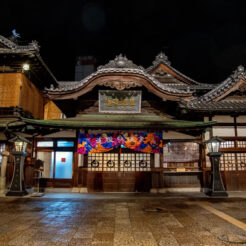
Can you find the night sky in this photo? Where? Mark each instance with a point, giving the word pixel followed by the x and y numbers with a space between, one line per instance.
pixel 204 39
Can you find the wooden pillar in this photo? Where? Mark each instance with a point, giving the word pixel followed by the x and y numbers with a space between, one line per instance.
pixel 75 169
pixel 203 162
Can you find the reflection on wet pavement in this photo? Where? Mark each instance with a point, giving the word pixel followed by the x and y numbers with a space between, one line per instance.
pixel 119 220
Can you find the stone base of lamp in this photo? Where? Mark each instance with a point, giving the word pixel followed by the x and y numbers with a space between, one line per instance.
pixel 16 193
pixel 217 193
pixel 17 187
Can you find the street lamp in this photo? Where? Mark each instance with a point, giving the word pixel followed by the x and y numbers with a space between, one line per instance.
pixel 216 187
pixel 26 67
pixel 17 187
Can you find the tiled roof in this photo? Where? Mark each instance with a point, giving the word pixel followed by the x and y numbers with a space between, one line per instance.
pixel 226 85
pixel 207 102
pixel 221 106
pixel 192 87
pixel 68 85
pixel 12 47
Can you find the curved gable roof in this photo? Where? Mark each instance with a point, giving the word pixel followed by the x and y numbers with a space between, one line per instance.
pixel 119 73
pixel 223 89
pixel 216 100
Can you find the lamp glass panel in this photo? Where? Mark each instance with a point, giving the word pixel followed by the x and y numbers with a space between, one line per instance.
pixel 215 146
pixel 210 149
pixel 19 146
pixel 24 146
pixel 2 148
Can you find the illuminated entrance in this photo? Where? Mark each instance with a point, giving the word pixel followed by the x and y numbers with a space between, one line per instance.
pixel 120 161
pixel 121 170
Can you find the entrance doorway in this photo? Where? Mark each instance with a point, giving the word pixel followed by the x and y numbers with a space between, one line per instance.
pixel 121 170
pixel 57 156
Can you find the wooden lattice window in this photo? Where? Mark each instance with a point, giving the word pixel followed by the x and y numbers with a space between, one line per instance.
pixel 95 161
pixel 241 161
pixel 241 144
pixel 127 162
pixel 228 162
pixel 110 162
pixel 142 162
pixel 228 144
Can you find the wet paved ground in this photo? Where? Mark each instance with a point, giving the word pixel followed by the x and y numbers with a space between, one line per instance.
pixel 120 219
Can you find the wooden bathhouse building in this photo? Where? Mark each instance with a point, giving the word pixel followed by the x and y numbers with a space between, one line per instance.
pixel 123 128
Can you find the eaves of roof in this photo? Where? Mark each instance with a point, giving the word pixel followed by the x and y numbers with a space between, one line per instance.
pixel 174 124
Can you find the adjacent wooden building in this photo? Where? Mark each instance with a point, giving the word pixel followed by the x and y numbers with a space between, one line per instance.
pixel 124 127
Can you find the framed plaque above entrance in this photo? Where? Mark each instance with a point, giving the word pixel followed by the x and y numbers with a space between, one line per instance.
pixel 121 102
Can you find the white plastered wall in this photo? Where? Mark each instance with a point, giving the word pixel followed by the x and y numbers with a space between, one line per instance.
pixel 224 131
pixel 220 131
pixel 166 135
pixel 241 131
pixel 61 134
pixel 241 119
pixel 223 119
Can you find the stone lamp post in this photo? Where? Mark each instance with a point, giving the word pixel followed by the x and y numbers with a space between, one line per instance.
pixel 17 187
pixel 5 155
pixel 216 187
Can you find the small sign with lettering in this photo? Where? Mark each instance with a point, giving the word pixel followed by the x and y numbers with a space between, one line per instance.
pixel 112 101
pixel 180 169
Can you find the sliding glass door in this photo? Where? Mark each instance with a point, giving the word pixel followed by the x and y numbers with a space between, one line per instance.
pixel 63 164
pixel 57 164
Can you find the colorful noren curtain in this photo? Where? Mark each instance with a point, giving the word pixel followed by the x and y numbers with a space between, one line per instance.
pixel 144 142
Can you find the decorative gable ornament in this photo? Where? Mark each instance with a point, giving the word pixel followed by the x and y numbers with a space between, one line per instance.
pixel 239 72
pixel 120 62
pixel 161 58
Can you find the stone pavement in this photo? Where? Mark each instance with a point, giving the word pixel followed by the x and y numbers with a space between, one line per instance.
pixel 121 219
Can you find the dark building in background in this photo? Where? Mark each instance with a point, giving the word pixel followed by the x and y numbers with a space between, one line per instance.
pixel 85 65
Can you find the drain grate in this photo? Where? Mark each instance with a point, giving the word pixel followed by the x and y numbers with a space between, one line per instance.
pixel 155 209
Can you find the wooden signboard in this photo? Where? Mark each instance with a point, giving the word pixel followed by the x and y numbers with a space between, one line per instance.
pixel 113 101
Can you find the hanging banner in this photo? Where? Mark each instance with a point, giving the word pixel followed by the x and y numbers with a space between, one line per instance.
pixel 143 142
